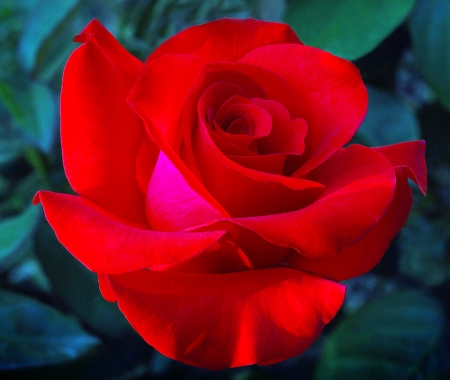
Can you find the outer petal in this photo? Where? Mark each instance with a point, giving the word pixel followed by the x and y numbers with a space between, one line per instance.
pixel 159 94
pixel 334 109
pixel 106 245
pixel 261 253
pixel 106 289
pixel 409 155
pixel 226 39
pixel 360 185
pixel 363 256
pixel 124 62
pixel 100 134
pixel 228 320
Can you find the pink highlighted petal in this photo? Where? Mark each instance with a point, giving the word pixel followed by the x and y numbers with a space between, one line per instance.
pixel 171 204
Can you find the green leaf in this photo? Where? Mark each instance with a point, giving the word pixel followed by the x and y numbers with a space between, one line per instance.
pixel 15 232
pixel 11 146
pixel 41 22
pixel 425 262
pixel 387 339
pixel 148 23
pixel 9 6
pixel 9 101
pixel 34 334
pixel 22 195
pixel 388 120
pixel 44 116
pixel 4 186
pixel 347 28
pixel 78 287
pixel 268 9
pixel 430 33
pixel 33 110
pixel 28 275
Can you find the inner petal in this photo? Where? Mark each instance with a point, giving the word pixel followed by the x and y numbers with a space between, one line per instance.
pixel 213 98
pixel 243 124
pixel 226 109
pixel 287 135
pixel 238 124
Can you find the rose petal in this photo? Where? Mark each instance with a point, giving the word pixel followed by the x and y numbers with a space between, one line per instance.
pixel 161 108
pixel 223 257
pixel 271 163
pixel 334 109
pixel 243 191
pixel 228 148
pixel 171 205
pixel 128 65
pixel 260 253
pixel 259 124
pixel 287 135
pixel 255 83
pixel 228 320
pixel 226 39
pixel 106 289
pixel 99 132
pixel 212 101
pixel 363 256
pixel 410 155
pixel 360 185
pixel 105 244
pixel 145 161
pixel 219 97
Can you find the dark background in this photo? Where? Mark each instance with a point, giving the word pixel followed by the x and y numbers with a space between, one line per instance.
pixel 395 320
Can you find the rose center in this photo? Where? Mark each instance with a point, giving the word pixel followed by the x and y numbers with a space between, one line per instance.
pixel 238 124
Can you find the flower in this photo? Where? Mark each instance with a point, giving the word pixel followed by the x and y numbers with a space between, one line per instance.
pixel 216 201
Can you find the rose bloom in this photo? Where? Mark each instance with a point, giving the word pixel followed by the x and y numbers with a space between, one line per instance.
pixel 216 200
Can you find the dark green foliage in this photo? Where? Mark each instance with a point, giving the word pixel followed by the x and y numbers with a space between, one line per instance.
pixel 389 338
pixel 347 28
pixel 430 32
pixel 34 334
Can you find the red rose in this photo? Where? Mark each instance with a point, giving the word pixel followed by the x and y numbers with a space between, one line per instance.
pixel 216 201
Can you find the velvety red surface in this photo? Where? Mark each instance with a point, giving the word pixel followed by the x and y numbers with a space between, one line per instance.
pixel 216 200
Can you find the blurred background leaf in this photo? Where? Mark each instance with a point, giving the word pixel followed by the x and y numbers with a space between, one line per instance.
pixel 42 22
pixel 34 334
pixel 387 339
pixel 16 231
pixel 34 113
pixel 430 33
pixel 78 287
pixel 388 120
pixel 346 28
pixel 425 262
